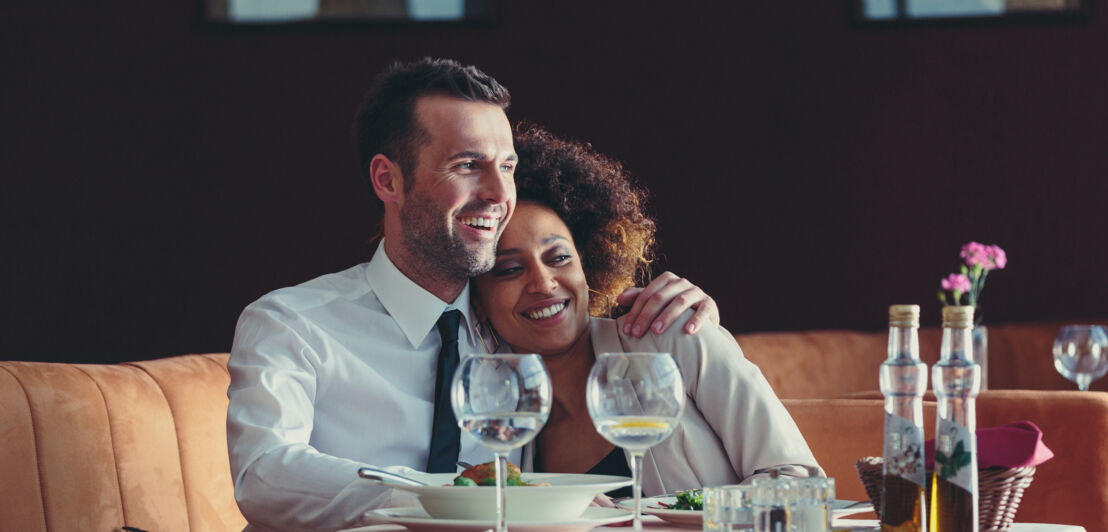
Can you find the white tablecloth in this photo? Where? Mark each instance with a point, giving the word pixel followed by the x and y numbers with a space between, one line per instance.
pixel 657 525
pixel 871 524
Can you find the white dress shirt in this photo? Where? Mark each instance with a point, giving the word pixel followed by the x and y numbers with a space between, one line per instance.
pixel 733 428
pixel 329 376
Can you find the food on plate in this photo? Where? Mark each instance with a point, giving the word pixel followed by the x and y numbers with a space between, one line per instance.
pixel 485 475
pixel 687 500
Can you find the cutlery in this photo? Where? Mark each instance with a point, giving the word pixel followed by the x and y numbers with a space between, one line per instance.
pixel 621 499
pixel 387 477
pixel 464 464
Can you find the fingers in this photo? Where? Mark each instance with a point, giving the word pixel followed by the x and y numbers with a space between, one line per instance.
pixel 707 313
pixel 634 323
pixel 627 298
pixel 661 302
pixel 603 501
pixel 691 297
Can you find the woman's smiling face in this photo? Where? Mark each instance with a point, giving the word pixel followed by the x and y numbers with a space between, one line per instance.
pixel 536 295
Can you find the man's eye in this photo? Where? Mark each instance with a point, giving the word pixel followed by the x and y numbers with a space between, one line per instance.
pixel 467 165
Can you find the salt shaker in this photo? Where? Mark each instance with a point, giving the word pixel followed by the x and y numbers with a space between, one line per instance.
pixel 773 502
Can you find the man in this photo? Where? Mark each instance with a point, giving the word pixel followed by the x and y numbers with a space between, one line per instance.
pixel 343 371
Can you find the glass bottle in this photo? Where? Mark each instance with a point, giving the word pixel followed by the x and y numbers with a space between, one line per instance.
pixel 772 503
pixel 956 379
pixel 903 380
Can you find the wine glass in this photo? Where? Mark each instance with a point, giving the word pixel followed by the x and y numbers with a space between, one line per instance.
pixel 1081 353
pixel 635 400
pixel 503 401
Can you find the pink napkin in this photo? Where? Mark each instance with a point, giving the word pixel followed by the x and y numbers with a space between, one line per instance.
pixel 1018 444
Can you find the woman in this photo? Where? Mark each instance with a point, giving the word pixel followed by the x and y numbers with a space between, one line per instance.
pixel 579 237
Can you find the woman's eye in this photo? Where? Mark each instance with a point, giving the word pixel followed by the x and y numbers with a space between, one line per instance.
pixel 504 272
pixel 507 168
pixel 561 258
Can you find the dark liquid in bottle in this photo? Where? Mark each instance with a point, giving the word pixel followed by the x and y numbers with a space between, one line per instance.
pixel 901 505
pixel 951 508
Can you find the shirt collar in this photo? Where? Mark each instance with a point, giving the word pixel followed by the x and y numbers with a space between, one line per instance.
pixel 414 309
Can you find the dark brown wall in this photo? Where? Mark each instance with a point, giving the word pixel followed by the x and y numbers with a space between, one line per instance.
pixel 158 175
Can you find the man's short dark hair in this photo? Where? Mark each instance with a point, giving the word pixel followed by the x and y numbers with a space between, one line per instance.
pixel 386 122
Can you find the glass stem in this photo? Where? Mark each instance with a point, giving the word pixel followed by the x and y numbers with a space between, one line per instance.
pixel 636 488
pixel 1083 381
pixel 501 503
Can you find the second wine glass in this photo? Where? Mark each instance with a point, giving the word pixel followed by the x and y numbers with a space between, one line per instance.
pixel 1081 353
pixel 635 400
pixel 503 401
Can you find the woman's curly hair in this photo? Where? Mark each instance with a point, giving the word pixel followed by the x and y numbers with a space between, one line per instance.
pixel 597 200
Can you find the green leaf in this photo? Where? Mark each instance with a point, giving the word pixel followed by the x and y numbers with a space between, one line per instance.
pixel 689 500
pixel 964 460
pixel 947 470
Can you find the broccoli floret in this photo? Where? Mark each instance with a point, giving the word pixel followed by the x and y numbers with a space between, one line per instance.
pixel 689 500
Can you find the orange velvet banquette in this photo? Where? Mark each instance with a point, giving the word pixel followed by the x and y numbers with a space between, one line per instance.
pixel 142 444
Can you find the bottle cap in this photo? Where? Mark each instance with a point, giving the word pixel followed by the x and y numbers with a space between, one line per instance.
pixel 958 317
pixel 904 316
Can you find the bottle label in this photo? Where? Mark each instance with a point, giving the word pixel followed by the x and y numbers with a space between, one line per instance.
pixel 955 455
pixel 903 454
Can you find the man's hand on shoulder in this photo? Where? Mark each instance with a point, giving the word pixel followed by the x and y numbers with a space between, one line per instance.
pixel 659 304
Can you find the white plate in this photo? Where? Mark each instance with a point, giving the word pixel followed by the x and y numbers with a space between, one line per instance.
pixel 566 496
pixel 693 518
pixel 416 519
pixel 652 506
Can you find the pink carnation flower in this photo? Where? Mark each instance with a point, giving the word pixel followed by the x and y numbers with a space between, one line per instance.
pixel 997 258
pixel 956 283
pixel 976 254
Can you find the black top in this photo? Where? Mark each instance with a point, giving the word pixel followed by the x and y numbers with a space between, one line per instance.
pixel 614 464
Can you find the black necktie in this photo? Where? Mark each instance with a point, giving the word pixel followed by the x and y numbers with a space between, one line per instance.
pixel 445 435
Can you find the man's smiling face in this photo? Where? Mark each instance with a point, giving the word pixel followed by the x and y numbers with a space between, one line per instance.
pixel 463 189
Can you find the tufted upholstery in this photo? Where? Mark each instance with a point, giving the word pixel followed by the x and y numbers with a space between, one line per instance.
pixel 99 447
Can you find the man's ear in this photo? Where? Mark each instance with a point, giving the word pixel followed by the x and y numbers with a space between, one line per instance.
pixel 387 179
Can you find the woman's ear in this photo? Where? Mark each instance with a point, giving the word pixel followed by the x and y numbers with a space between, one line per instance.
pixel 387 179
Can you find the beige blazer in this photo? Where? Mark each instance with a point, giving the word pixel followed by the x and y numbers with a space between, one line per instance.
pixel 733 426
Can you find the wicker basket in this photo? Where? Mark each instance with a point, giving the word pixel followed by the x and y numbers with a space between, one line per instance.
pixel 999 491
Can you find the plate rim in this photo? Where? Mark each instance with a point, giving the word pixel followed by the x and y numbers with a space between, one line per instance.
pixel 425 518
pixel 602 483
pixel 862 507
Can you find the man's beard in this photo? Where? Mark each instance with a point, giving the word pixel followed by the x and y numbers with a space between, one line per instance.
pixel 438 246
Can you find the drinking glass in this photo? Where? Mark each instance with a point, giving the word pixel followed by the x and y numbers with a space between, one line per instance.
pixel 814 496
pixel 635 400
pixel 773 502
pixel 728 508
pixel 503 401
pixel 1081 353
